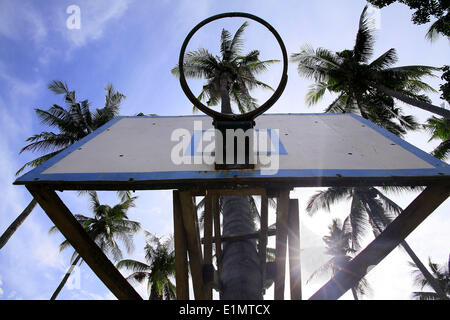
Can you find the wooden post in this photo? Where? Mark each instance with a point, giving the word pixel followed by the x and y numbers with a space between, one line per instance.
pixel 281 238
pixel 379 248
pixel 263 235
pixel 181 267
pixel 294 250
pixel 207 236
pixel 190 222
pixel 82 243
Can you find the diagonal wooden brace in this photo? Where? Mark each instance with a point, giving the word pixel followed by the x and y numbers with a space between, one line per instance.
pixel 82 243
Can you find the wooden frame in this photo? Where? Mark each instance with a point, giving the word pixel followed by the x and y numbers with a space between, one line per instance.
pixel 263 234
pixel 181 262
pixel 207 236
pixel 190 222
pixel 295 275
pixel 281 243
pixel 188 242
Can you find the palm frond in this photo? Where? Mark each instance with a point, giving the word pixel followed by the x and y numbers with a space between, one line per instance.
pixel 133 265
pixel 342 104
pixel 260 66
pixel 385 60
pixel 442 151
pixel 433 31
pixel 315 93
pixel 327 267
pixel 439 128
pixel 359 220
pixel 388 204
pixel 315 64
pixel 198 64
pixel 237 42
pixel 225 44
pixel 138 276
pixel 425 296
pixel 64 245
pixel 38 161
pixel 411 72
pixel 363 48
pixel 95 202
pixel 48 141
pixel 58 87
pixel 325 198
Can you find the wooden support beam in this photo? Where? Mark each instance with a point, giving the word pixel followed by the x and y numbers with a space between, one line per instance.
pixel 281 239
pixel 379 248
pixel 181 263
pixel 237 192
pixel 263 235
pixel 82 243
pixel 294 250
pixel 207 236
pixel 190 222
pixel 264 230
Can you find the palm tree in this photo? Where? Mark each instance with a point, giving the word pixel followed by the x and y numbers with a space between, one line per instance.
pixel 158 269
pixel 370 209
pixel 73 122
pixel 230 77
pixel 108 226
pixel 338 246
pixel 363 87
pixel 439 128
pixel 441 274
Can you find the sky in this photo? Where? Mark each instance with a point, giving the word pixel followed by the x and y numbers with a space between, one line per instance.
pixel 134 45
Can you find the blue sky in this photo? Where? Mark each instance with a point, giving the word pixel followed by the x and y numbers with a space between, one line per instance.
pixel 134 44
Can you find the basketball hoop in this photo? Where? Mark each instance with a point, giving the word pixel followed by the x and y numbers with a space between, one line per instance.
pixel 248 116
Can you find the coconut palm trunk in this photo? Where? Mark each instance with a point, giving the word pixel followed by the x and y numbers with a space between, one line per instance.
pixel 66 277
pixel 414 102
pixel 17 223
pixel 241 278
pixel 224 95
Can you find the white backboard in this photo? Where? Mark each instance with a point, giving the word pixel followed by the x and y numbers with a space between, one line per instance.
pixel 310 149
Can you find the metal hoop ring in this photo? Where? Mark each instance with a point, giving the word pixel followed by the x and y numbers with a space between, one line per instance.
pixel 245 116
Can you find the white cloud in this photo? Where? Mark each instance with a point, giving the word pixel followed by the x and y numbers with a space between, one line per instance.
pixel 19 20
